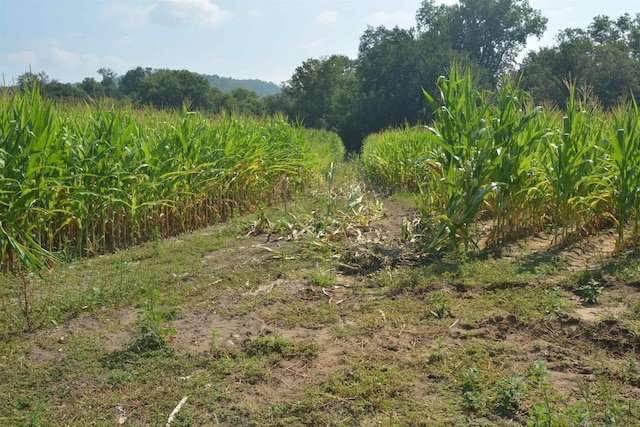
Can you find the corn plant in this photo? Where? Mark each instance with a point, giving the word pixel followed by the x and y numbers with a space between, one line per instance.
pixel 624 166
pixel 27 134
pixel 516 133
pixel 463 157
pixel 524 166
pixel 390 159
pixel 25 189
pixel 571 162
pixel 87 179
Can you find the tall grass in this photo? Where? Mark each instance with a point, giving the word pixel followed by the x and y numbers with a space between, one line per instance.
pixel 498 156
pixel 90 179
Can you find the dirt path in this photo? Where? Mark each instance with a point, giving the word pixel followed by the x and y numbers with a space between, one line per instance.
pixel 375 310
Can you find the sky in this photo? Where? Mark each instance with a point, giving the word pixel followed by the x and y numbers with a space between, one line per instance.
pixel 244 39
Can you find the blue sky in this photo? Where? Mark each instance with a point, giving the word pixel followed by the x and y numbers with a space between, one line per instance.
pixel 265 39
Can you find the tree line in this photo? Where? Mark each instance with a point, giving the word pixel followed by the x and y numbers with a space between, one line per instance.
pixel 383 86
pixel 159 88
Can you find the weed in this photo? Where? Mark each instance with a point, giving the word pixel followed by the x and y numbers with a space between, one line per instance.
pixel 509 393
pixel 632 371
pixel 153 324
pixel 306 316
pixel 544 413
pixel 590 292
pixel 437 352
pixel 214 336
pixel 324 279
pixel 472 390
pixel 279 347
pixel 440 307
pixel 609 317
pixel 364 388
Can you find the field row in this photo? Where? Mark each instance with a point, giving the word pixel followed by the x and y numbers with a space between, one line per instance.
pixel 499 156
pixel 85 180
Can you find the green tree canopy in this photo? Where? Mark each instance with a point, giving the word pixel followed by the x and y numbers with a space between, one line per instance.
pixel 383 86
pixel 322 93
pixel 245 101
pixel 604 57
pixel 91 87
pixel 491 33
pixel 173 88
pixel 29 79
pixel 393 67
pixel 130 82
pixel 108 81
pixel 314 89
pixel 55 89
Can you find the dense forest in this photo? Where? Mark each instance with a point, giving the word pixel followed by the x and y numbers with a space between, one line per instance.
pixel 383 86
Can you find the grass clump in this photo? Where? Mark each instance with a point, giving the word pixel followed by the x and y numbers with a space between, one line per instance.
pixel 153 326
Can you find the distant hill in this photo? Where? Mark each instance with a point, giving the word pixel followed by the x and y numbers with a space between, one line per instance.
pixel 227 84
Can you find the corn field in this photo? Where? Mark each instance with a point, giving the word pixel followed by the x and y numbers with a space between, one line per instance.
pixel 498 157
pixel 84 180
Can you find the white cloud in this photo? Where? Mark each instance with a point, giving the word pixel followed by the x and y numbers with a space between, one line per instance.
pixel 390 19
pixel 326 17
pixel 189 12
pixel 313 45
pixel 125 41
pixel 129 15
pixel 67 59
pixel 24 59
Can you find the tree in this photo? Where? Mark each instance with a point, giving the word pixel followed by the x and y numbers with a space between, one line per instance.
pixel 108 81
pixel 91 87
pixel 313 87
pixel 491 33
pixel 541 78
pixel 383 86
pixel 29 79
pixel 322 94
pixel 245 101
pixel 277 104
pixel 173 88
pixel 393 67
pixel 55 89
pixel 603 57
pixel 130 82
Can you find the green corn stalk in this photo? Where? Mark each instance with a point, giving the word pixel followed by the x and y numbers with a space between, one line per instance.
pixel 624 164
pixel 516 136
pixel 390 158
pixel 25 140
pixel 463 156
pixel 87 179
pixel 569 162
